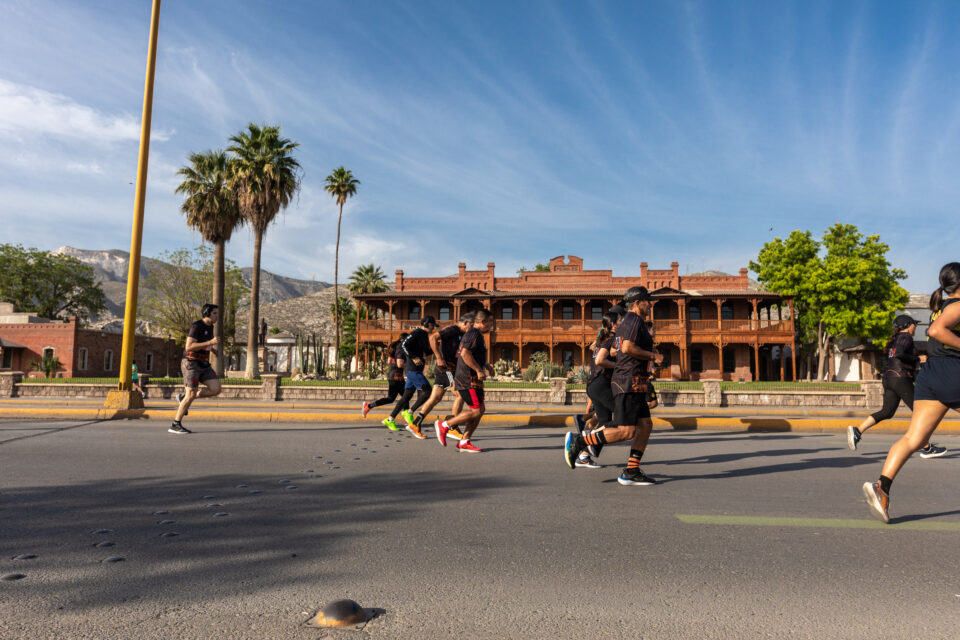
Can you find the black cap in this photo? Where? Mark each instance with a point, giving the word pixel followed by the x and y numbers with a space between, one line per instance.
pixel 427 321
pixel 618 309
pixel 636 294
pixel 902 322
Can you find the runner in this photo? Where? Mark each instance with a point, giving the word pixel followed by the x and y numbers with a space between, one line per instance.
pixel 472 368
pixel 394 382
pixel 898 376
pixel 135 378
pixel 629 383
pixel 415 350
pixel 196 365
pixel 445 344
pixel 598 388
pixel 937 389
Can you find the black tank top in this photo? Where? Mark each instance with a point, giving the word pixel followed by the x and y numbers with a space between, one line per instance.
pixel 937 349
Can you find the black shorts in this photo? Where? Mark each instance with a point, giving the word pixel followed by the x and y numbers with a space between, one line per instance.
pixel 395 388
pixel 939 379
pixel 195 372
pixel 629 409
pixel 443 378
pixel 473 398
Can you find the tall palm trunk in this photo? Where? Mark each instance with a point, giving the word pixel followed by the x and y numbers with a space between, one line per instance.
pixel 336 291
pixel 218 281
pixel 252 370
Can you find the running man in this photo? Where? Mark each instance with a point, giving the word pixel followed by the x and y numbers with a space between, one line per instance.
pixel 196 365
pixel 652 401
pixel 631 417
pixel 898 376
pixel 445 344
pixel 415 350
pixel 472 369
pixel 394 381
pixel 937 389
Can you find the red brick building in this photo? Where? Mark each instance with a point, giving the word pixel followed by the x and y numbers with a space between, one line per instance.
pixel 707 325
pixel 83 353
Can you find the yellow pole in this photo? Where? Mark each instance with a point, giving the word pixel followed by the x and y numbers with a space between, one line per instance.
pixel 133 277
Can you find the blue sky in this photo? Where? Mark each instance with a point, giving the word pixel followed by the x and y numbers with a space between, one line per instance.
pixel 617 131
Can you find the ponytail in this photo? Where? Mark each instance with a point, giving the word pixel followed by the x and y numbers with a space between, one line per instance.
pixel 949 283
pixel 606 329
pixel 936 299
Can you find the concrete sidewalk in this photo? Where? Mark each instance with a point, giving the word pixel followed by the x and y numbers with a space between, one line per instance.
pixel 755 418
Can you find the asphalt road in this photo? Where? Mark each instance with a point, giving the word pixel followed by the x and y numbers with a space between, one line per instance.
pixel 748 535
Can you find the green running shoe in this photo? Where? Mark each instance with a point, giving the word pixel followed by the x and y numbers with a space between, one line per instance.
pixel 390 424
pixel 408 416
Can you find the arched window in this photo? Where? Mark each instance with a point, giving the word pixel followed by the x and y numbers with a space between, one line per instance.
pixel 49 352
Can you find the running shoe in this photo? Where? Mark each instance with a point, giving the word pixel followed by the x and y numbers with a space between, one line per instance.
pixel 455 433
pixel 853 438
pixel 178 429
pixel 580 422
pixel 415 430
pixel 366 409
pixel 408 417
pixel 441 432
pixel 570 449
pixel 877 500
pixel 932 451
pixel 180 398
pixel 585 462
pixel 635 478
pixel 465 446
pixel 390 424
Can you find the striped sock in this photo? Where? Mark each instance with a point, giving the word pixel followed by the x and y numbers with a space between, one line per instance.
pixel 596 438
pixel 634 461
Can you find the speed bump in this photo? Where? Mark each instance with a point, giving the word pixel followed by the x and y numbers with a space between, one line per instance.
pixel 339 613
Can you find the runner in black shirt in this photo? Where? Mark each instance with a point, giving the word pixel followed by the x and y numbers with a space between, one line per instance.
pixel 472 369
pixel 898 377
pixel 937 389
pixel 394 381
pixel 415 348
pixel 196 365
pixel 445 344
pixel 598 388
pixel 629 383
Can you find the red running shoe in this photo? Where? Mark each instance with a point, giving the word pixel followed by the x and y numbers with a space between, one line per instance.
pixel 365 410
pixel 465 446
pixel 441 432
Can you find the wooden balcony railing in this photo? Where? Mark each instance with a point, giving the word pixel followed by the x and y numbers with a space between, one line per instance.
pixel 577 327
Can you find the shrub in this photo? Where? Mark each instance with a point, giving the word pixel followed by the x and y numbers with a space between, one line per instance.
pixel 579 375
pixel 506 368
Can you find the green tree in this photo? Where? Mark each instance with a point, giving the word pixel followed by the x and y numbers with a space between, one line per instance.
pixel 265 176
pixel 50 285
pixel 539 267
pixel 367 278
pixel 48 364
pixel 341 185
pixel 211 208
pixel 842 285
pixel 348 313
pixel 173 294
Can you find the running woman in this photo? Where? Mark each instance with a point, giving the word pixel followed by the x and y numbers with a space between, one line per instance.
pixel 652 401
pixel 898 377
pixel 445 344
pixel 631 415
pixel 415 350
pixel 598 388
pixel 937 389
pixel 394 382
pixel 472 369
pixel 196 365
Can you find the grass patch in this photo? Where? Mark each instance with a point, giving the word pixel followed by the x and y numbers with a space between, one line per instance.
pixel 287 382
pixel 790 386
pixel 151 382
pixel 677 385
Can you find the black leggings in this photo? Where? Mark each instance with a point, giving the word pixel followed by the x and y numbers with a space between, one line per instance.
pixel 599 391
pixel 423 394
pixel 395 389
pixel 895 389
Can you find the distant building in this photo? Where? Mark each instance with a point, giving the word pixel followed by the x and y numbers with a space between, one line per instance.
pixel 83 353
pixel 708 325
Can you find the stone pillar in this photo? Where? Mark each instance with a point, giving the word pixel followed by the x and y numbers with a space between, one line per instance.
pixel 271 386
pixel 8 383
pixel 558 390
pixel 872 390
pixel 712 396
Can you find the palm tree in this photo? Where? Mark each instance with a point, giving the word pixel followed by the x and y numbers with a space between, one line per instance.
pixel 211 208
pixel 367 278
pixel 265 177
pixel 340 185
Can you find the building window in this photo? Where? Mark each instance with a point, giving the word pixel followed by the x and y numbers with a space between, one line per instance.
pixel 444 312
pixel 596 312
pixel 729 359
pixel 506 353
pixel 82 359
pixel 148 365
pixel 694 310
pixel 566 311
pixel 48 353
pixel 696 360
pixel 726 311
pixel 108 360
pixel 567 358
pixel 414 311
pixel 7 359
pixel 536 311
pixel 506 312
